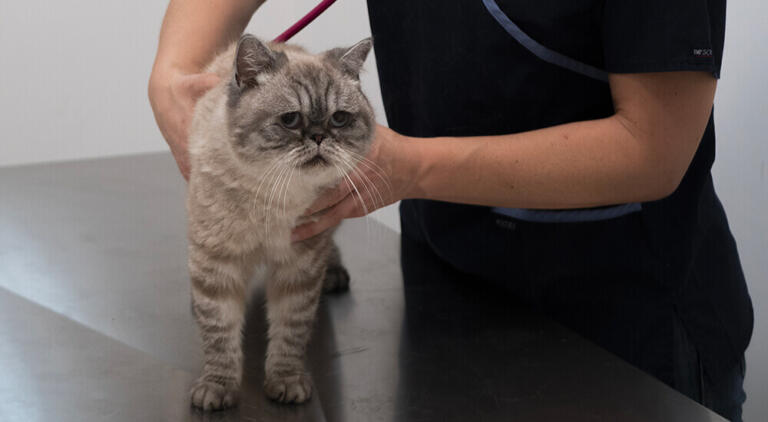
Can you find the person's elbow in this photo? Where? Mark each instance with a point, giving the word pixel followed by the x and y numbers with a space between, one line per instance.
pixel 664 116
pixel 663 151
pixel 664 169
pixel 660 187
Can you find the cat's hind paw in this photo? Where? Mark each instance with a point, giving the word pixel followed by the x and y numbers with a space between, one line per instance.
pixel 295 388
pixel 207 395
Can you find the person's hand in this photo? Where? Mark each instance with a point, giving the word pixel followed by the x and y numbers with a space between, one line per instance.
pixel 173 100
pixel 385 176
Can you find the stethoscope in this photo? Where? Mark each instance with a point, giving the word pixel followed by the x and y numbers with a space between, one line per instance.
pixel 303 22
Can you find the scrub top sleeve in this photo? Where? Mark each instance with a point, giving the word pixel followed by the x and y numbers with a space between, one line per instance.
pixel 663 35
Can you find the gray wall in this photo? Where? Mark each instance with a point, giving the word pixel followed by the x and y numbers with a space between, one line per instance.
pixel 73 85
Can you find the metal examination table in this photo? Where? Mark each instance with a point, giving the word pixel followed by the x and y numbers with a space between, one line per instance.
pixel 96 324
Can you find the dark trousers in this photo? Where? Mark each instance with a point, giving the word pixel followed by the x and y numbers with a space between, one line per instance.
pixel 625 312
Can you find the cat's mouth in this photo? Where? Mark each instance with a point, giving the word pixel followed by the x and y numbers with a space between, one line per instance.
pixel 315 161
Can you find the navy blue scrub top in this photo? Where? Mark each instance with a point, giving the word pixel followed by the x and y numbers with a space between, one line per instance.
pixel 447 68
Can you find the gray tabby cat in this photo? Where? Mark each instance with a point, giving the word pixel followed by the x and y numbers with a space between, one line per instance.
pixel 282 126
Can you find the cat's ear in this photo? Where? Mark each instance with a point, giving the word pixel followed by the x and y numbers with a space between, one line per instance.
pixel 253 58
pixel 351 59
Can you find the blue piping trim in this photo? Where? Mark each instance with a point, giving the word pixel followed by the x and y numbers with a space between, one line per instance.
pixel 540 51
pixel 569 216
pixel 555 58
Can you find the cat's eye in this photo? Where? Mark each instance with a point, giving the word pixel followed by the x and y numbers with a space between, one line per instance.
pixel 340 119
pixel 291 120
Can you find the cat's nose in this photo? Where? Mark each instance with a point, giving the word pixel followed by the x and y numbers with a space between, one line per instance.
pixel 317 137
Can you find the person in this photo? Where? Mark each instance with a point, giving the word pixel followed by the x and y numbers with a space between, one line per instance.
pixel 589 197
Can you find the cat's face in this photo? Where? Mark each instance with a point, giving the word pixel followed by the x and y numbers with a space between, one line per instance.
pixel 299 111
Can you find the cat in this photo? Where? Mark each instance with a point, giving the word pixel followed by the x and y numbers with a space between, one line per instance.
pixel 282 126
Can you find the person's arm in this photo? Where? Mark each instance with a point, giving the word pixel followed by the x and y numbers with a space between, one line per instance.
pixel 192 32
pixel 639 154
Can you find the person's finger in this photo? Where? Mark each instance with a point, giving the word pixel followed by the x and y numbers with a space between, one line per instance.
pixel 308 230
pixel 330 198
pixel 331 218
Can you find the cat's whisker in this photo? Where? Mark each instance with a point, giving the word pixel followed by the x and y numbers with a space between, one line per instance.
pixel 268 210
pixel 361 201
pixel 357 195
pixel 377 194
pixel 361 174
pixel 375 168
pixel 273 167
pixel 341 176
pixel 264 177
pixel 268 198
pixel 269 175
pixel 384 179
pixel 360 171
pixel 362 157
pixel 260 200
pixel 273 176
pixel 287 187
pixel 366 182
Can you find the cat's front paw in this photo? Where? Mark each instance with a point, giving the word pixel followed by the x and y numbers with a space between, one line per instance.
pixel 294 388
pixel 208 395
pixel 336 279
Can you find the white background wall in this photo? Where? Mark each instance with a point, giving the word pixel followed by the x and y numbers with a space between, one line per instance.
pixel 73 79
pixel 741 172
pixel 73 75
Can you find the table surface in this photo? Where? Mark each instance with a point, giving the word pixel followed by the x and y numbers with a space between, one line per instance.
pixel 96 323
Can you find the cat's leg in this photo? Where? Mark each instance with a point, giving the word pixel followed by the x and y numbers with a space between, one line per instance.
pixel 218 304
pixel 293 293
pixel 336 276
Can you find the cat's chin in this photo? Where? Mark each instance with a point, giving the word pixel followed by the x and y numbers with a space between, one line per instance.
pixel 319 176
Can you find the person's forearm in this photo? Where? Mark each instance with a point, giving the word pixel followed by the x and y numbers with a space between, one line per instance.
pixel 194 30
pixel 582 164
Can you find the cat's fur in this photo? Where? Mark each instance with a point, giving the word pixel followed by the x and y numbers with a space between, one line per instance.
pixel 251 180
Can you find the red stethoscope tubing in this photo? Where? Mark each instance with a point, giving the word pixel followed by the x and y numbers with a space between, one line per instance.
pixel 306 20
